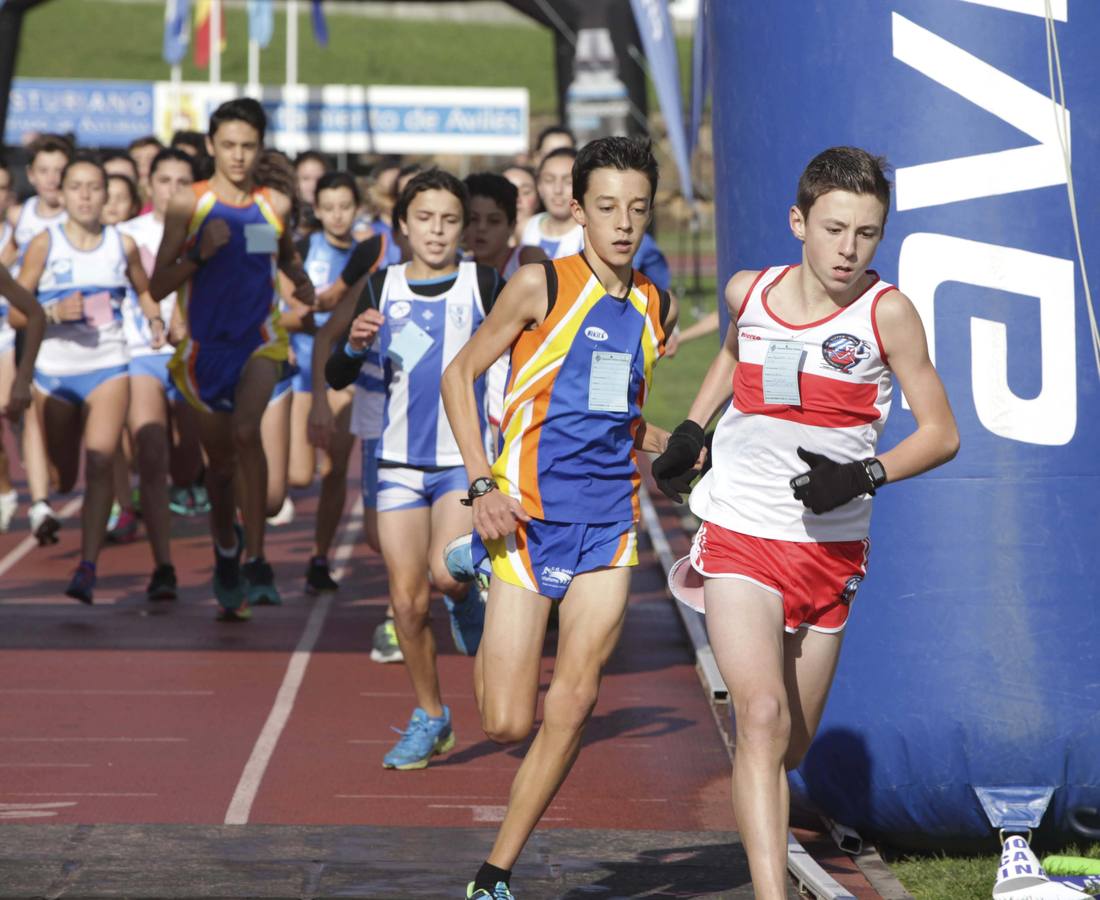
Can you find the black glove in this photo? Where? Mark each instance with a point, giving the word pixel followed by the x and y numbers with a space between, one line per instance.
pixel 830 484
pixel 674 470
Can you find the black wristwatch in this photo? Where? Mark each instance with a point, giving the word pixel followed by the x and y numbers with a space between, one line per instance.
pixel 875 472
pixel 479 487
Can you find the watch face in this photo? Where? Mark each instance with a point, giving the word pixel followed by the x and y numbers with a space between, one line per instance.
pixel 878 473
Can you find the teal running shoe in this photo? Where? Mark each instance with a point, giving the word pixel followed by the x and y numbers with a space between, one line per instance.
pixel 467 619
pixel 458 556
pixel 229 587
pixel 423 739
pixel 260 583
pixel 500 892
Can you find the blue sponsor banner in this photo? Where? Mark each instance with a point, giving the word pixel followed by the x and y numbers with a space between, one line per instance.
pixel 98 113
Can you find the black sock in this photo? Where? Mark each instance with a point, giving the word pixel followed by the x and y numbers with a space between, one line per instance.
pixel 488 876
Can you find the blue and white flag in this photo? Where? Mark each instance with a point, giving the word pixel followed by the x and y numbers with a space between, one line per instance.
pixel 700 74
pixel 177 30
pixel 320 27
pixel 659 44
pixel 261 21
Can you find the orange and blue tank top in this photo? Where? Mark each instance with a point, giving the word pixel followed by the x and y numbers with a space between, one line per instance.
pixel 232 299
pixel 574 396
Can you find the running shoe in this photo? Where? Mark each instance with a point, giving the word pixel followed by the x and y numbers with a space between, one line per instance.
pixel 384 647
pixel 458 556
pixel 284 516
pixel 500 892
pixel 162 586
pixel 229 587
pixel 200 500
pixel 260 583
pixel 467 619
pixel 44 523
pixel 318 578
pixel 82 583
pixel 423 739
pixel 112 519
pixel 9 503
pixel 125 528
pixel 181 501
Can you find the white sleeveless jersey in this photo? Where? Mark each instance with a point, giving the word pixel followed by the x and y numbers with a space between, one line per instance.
pixel 845 387
pixel 31 223
pixel 146 232
pixel 7 333
pixel 100 275
pixel 555 247
pixel 415 429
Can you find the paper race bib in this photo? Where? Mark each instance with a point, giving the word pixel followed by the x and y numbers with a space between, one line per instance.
pixel 609 381
pixel 99 312
pixel 259 237
pixel 781 365
pixel 409 346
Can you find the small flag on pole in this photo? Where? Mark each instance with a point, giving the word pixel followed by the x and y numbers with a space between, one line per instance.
pixel 202 32
pixel 320 26
pixel 177 30
pixel 261 21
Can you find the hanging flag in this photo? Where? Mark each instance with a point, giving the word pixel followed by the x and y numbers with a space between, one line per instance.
pixel 320 26
pixel 700 74
pixel 202 31
pixel 177 30
pixel 261 21
pixel 659 44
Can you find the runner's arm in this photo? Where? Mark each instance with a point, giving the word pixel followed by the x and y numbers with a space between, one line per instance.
pixel 139 281
pixel 172 268
pixel 290 262
pixel 34 328
pixel 717 386
pixel 344 362
pixel 905 349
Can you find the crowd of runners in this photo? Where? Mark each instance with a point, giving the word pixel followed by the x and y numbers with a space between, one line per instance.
pixel 211 324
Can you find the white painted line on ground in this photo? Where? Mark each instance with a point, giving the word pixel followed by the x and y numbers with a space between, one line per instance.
pixel 240 806
pixel 81 740
pixel 28 543
pixel 93 692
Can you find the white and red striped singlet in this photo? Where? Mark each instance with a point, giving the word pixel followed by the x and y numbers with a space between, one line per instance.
pixel 845 387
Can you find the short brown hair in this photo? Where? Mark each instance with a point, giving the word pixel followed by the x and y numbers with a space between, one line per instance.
pixel 48 143
pixel 844 169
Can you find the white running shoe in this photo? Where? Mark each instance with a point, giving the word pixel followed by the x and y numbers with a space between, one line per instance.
pixel 9 503
pixel 44 523
pixel 285 515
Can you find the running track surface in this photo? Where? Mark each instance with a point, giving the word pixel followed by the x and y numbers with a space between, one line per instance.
pixel 141 735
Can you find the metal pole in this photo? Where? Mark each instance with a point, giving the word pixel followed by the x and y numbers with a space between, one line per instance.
pixel 253 67
pixel 215 41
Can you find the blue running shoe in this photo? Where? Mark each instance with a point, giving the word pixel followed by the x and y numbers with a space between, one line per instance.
pixel 500 892
pixel 467 619
pixel 458 556
pixel 423 739
pixel 82 583
pixel 260 583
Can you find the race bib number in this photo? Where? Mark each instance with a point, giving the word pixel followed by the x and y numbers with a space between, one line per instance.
pixel 781 366
pixel 259 237
pixel 609 381
pixel 99 312
pixel 409 346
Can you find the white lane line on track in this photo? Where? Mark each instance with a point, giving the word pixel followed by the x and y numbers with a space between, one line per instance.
pixel 240 806
pixel 28 543
pixel 112 740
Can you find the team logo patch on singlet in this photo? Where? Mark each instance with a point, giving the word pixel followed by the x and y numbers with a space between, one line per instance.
pixel 399 310
pixel 62 270
pixel 460 315
pixel 595 333
pixel 844 351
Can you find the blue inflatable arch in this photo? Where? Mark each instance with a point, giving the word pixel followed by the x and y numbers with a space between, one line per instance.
pixel 972 659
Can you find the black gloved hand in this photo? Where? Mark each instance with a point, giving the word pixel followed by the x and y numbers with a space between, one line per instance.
pixel 674 470
pixel 829 484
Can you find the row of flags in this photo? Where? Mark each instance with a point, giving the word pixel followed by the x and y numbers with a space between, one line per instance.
pixel 179 15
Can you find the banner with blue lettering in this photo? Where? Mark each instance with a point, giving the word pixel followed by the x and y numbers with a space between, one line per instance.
pixel 659 44
pixel 969 660
pixel 97 113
